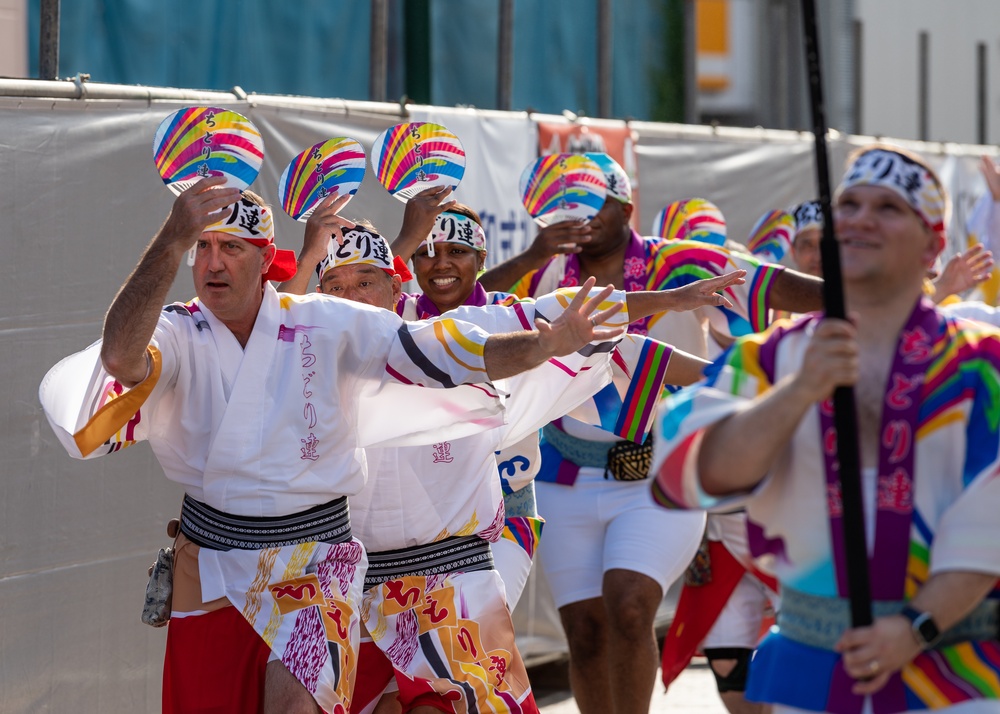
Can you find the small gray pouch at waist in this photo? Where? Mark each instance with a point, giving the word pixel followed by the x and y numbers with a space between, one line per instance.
pixel 159 590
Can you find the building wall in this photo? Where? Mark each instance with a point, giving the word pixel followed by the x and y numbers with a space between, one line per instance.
pixel 751 63
pixel 890 67
pixel 321 48
pixel 727 52
pixel 13 38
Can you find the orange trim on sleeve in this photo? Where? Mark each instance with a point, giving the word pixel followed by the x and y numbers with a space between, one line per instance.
pixel 114 415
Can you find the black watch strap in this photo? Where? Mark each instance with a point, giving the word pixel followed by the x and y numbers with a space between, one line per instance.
pixel 924 628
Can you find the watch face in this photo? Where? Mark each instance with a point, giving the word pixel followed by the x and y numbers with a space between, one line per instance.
pixel 926 627
pixel 923 626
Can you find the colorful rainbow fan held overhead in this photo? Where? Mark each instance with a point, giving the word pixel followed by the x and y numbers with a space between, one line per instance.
pixel 336 165
pixel 196 142
pixel 691 219
pixel 562 187
pixel 771 236
pixel 669 222
pixel 411 157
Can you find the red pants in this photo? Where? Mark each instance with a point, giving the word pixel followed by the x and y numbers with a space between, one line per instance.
pixel 375 671
pixel 214 664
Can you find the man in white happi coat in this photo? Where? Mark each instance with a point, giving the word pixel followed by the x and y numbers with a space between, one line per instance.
pixel 429 515
pixel 438 628
pixel 258 404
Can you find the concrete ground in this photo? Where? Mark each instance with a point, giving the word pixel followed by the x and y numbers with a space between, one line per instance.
pixel 692 693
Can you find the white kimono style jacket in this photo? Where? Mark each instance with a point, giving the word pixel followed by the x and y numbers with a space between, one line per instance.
pixel 421 494
pixel 276 429
pixel 937 514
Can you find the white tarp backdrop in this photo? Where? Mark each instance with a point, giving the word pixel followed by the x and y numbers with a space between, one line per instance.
pixel 80 198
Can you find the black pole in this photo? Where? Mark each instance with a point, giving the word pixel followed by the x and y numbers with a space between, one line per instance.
pixel 505 56
pixel 690 64
pixel 48 40
pixel 845 413
pixel 378 50
pixel 416 48
pixel 605 47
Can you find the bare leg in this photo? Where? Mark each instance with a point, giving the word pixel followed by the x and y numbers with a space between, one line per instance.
pixel 388 704
pixel 735 702
pixel 394 707
pixel 284 694
pixel 586 627
pixel 631 600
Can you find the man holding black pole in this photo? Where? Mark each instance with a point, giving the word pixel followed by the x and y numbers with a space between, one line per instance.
pixel 926 388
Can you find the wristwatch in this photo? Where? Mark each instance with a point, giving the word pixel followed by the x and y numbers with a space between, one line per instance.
pixel 922 624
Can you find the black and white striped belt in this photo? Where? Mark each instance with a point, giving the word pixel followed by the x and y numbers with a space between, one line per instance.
pixel 455 554
pixel 216 530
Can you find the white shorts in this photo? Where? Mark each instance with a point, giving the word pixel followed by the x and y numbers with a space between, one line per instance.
pixel 601 524
pixel 738 625
pixel 513 565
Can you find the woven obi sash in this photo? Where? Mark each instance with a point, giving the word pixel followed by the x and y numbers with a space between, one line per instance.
pixel 451 555
pixel 581 452
pixel 820 621
pixel 213 529
pixel 622 460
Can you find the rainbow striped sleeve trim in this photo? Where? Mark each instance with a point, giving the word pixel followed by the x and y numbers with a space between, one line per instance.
pixel 744 359
pixel 950 675
pixel 526 531
pixel 760 296
pixel 644 391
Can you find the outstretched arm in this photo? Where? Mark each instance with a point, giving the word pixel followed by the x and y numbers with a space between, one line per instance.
pixel 796 292
pixel 736 453
pixel 991 172
pixel 133 314
pixel 963 272
pixel 508 354
pixel 563 237
pixel 684 368
pixel 700 293
pixel 320 228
